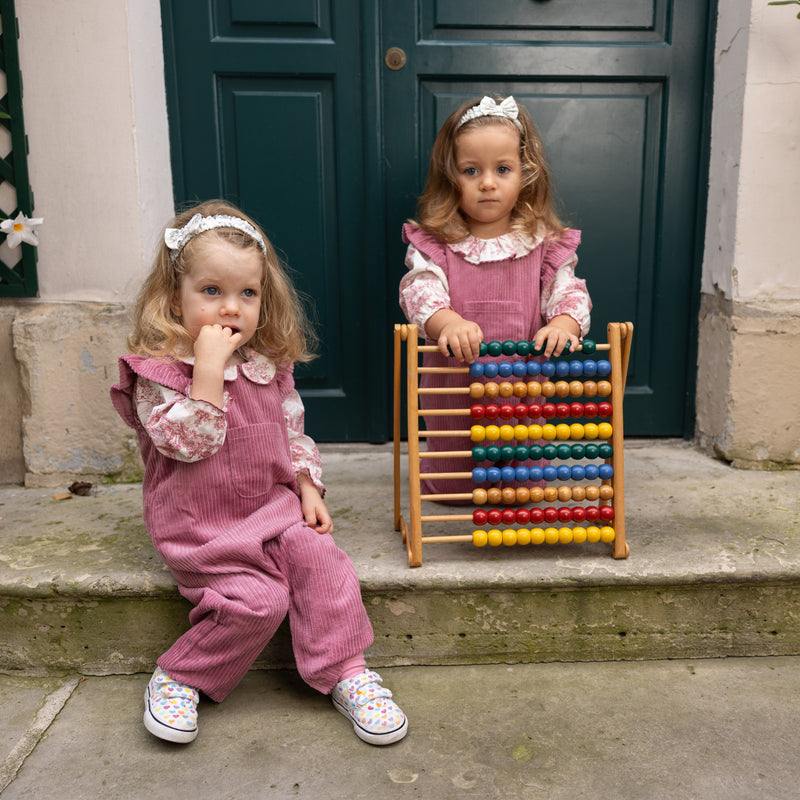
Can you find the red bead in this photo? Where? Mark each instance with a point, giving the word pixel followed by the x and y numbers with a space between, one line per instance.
pixel 494 516
pixel 506 411
pixel 523 516
pixel 562 410
pixel 535 410
pixel 476 411
pixel 492 411
pixel 479 517
pixel 537 515
pixel 579 514
pixel 509 516
pixel 548 411
pixel 520 411
pixel 576 410
pixel 606 513
pixel 592 514
pixel 550 514
pixel 564 514
pixel 604 409
pixel 590 410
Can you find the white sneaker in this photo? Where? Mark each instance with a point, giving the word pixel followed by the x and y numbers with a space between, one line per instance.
pixel 376 718
pixel 170 709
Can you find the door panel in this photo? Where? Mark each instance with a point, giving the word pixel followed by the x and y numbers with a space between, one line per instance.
pixel 621 121
pixel 266 111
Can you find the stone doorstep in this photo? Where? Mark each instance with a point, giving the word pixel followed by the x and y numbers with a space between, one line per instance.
pixel 714 571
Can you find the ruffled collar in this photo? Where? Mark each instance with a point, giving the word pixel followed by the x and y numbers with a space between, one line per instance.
pixel 258 368
pixel 510 245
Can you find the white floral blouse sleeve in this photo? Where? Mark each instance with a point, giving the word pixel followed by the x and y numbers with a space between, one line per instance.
pixel 565 293
pixel 424 289
pixel 180 427
pixel 302 449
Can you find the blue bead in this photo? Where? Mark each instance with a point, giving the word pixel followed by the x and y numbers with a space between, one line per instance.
pixel 592 472
pixel 604 368
pixel 519 369
pixel 590 368
pixel 550 473
pixel 576 369
pixel 562 369
pixel 490 370
pixel 534 368
pixel 479 475
pixel 493 474
pixel 504 369
pixel 578 473
pixel 564 473
pixel 522 473
pixel 536 473
pixel 508 474
pixel 606 471
pixel 548 369
pixel 476 369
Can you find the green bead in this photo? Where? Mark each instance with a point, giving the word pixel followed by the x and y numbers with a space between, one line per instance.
pixel 507 452
pixel 578 451
pixel 493 453
pixel 479 454
pixel 592 451
pixel 550 451
pixel 588 346
pixel 606 451
pixel 523 453
pixel 495 348
pixel 483 349
pixel 564 451
pixel 536 452
pixel 537 351
pixel 523 348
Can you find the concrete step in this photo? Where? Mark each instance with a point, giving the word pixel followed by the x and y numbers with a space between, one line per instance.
pixel 714 570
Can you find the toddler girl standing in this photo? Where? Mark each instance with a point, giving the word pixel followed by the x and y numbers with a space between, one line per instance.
pixel 232 489
pixel 489 258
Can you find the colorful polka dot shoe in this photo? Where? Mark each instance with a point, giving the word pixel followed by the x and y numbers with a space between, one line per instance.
pixel 375 716
pixel 170 709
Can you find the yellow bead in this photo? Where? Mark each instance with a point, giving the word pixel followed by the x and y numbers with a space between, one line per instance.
pixel 509 537
pixel 477 433
pixel 521 432
pixel 494 537
pixel 579 535
pixel 523 536
pixel 607 534
pixel 479 538
pixel 593 533
pixel 549 432
pixel 534 431
pixel 590 430
pixel 604 430
pixel 576 431
pixel 562 431
pixel 551 535
pixel 492 433
pixel 537 536
pixel 565 535
pixel 506 433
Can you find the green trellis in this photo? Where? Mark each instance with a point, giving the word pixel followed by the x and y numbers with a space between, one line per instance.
pixel 17 279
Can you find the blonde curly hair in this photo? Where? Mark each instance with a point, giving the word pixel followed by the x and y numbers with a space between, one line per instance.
pixel 284 332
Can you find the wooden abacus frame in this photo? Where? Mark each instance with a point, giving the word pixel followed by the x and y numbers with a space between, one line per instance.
pixel 620 336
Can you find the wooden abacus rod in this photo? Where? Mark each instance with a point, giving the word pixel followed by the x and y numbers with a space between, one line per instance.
pixel 447 518
pixel 432 348
pixel 443 370
pixel 446 454
pixel 452 434
pixel 458 538
pixel 446 497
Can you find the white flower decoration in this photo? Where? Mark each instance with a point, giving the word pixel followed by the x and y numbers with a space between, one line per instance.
pixel 21 229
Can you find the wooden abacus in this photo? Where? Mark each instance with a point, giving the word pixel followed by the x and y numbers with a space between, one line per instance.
pixel 590 441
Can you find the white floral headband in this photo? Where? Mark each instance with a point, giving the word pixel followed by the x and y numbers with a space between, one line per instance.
pixel 177 238
pixel 507 109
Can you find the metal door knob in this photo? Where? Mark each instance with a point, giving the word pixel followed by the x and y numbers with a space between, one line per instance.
pixel 395 58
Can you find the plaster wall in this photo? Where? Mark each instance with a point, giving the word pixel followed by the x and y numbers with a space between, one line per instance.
pixel 750 304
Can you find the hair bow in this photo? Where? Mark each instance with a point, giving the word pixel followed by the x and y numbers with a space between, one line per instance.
pixel 488 107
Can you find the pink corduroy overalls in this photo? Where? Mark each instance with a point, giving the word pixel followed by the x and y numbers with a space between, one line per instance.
pixel 231 530
pixel 503 297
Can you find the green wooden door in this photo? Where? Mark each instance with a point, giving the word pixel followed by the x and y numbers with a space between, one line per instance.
pixel 616 90
pixel 292 111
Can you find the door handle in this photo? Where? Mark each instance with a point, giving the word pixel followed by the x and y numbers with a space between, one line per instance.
pixel 395 58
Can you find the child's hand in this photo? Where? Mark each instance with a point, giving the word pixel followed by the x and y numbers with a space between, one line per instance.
pixel 554 337
pixel 450 329
pixel 315 512
pixel 215 344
